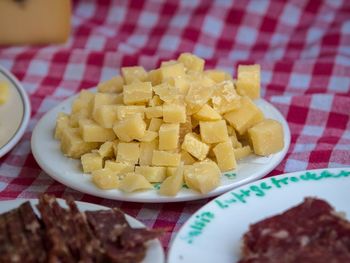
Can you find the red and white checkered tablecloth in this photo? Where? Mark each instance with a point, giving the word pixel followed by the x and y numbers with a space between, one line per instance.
pixel 303 48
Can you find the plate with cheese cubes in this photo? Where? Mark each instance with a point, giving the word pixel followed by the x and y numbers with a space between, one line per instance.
pixel 175 133
pixel 14 111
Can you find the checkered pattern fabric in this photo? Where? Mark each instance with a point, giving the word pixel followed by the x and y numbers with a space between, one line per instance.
pixel 303 48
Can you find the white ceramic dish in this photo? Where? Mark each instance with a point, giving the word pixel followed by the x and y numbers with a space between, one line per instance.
pixel 214 232
pixel 154 254
pixel 46 151
pixel 14 114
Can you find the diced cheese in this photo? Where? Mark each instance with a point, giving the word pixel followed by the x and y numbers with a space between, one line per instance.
pixel 163 158
pixel 202 176
pixel 134 74
pixel 155 124
pixel 62 122
pixel 168 136
pixel 266 137
pixel 167 93
pixel 192 62
pixel 119 168
pixel 193 145
pixel 146 152
pixel 92 132
pixel 134 182
pixel 137 92
pixel 113 85
pixel 153 174
pixel 248 81
pixel 172 184
pixel 225 156
pixel 130 128
pixel 242 152
pixel 154 112
pixel 105 179
pixel 129 111
pixel 172 70
pixel 106 115
pixel 128 152
pixel 225 98
pixel 174 113
pixel 72 145
pixel 217 75
pixel 91 162
pixel 213 131
pixel 207 113
pixel 245 116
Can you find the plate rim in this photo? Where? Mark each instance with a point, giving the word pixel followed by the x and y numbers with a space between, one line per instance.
pixel 211 202
pixel 26 112
pixel 131 220
pixel 162 199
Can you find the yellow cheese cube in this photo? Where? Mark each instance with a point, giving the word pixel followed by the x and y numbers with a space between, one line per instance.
pixel 128 152
pixel 146 152
pixel 62 122
pixel 72 145
pixel 225 156
pixel 134 182
pixel 168 63
pixel 181 83
pixel 266 137
pixel 137 92
pixel 170 171
pixel 242 152
pixel 155 101
pixel 174 113
pixel 185 128
pixel 106 150
pixel 197 96
pixel 194 146
pixel 225 98
pixel 187 158
pixel 154 77
pixel 154 112
pixel 103 99
pixel 91 162
pixel 213 131
pixel 130 128
pixel 149 136
pixel 132 74
pixel 202 176
pixel 248 81
pixel 119 168
pixel 106 115
pixel 234 141
pixel 83 102
pixel 105 179
pixel 155 124
pixel 173 184
pixel 153 174
pixel 163 158
pixel 172 70
pixel 207 113
pixel 92 132
pixel 192 62
pixel 4 92
pixel 217 75
pixel 167 93
pixel 113 85
pixel 245 116
pixel 168 136
pixel 75 117
pixel 129 111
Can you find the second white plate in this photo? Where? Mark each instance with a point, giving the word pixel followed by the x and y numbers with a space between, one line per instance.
pixel 46 151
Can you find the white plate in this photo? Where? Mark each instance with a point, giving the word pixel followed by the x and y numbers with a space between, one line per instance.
pixel 214 232
pixel 14 114
pixel 154 253
pixel 46 151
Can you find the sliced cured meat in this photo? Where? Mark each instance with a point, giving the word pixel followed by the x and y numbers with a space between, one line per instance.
pixel 309 232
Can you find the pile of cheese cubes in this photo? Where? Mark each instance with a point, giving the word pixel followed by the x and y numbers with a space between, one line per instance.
pixel 173 125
